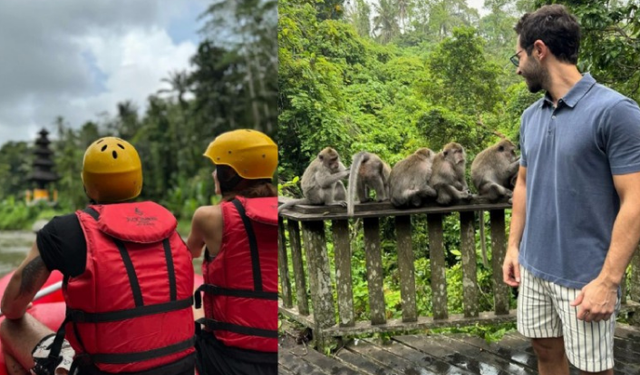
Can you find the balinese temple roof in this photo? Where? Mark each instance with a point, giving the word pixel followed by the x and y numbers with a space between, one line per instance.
pixel 42 142
pixel 43 164
pixel 46 176
pixel 43 151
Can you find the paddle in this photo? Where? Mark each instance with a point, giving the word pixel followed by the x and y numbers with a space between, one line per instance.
pixel 45 291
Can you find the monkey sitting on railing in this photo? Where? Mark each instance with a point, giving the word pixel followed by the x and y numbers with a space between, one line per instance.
pixel 321 182
pixel 368 172
pixel 493 173
pixel 409 179
pixel 448 177
pixel 494 170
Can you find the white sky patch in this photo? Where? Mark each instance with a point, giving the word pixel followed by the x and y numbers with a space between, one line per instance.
pixel 478 4
pixel 78 59
pixel 135 64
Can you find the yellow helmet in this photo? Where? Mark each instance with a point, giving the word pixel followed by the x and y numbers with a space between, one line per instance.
pixel 252 154
pixel 111 170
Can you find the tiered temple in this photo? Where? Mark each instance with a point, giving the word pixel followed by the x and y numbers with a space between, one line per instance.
pixel 43 173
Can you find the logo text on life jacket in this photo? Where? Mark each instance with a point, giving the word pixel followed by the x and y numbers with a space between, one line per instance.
pixel 141 220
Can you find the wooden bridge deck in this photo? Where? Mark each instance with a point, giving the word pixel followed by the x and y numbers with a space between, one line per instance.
pixel 439 354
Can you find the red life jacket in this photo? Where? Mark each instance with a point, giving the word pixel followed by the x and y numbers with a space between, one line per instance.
pixel 241 282
pixel 130 311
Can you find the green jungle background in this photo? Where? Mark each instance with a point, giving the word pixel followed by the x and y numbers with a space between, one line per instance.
pixel 390 76
pixel 233 84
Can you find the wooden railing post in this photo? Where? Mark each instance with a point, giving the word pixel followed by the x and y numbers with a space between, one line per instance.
pixel 315 245
pixel 283 266
pixel 298 267
pixel 342 248
pixel 436 254
pixel 469 267
pixel 406 269
pixel 373 257
pixel 501 290
pixel 634 280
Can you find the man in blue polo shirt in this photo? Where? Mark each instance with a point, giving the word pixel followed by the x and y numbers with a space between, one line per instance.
pixel 576 205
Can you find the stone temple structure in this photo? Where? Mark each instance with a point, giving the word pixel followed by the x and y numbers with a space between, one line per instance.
pixel 42 174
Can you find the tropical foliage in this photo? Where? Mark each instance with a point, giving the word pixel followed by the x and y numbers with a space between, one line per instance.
pixel 232 84
pixel 391 76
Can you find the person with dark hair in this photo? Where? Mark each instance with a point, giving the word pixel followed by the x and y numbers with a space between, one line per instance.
pixel 576 204
pixel 128 282
pixel 239 332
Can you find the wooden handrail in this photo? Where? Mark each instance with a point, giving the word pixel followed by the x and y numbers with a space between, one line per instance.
pixel 333 318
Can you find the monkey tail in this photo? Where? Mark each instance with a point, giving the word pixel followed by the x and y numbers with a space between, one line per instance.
pixel 483 240
pixel 353 180
pixel 292 203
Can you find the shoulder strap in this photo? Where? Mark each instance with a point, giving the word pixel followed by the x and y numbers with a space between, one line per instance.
pixel 253 245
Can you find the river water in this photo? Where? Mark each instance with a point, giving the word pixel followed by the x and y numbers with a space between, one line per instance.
pixel 14 246
pixel 13 249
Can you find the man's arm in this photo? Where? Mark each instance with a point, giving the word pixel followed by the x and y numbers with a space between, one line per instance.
pixel 598 298
pixel 511 267
pixel 24 284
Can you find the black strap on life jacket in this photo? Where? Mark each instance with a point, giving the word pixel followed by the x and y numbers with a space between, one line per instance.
pixel 243 330
pixel 242 293
pixel 253 245
pixel 79 316
pixel 257 293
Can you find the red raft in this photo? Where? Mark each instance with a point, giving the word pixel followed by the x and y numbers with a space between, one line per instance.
pixel 50 308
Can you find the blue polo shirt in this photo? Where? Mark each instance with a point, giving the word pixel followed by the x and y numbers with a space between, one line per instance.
pixel 571 153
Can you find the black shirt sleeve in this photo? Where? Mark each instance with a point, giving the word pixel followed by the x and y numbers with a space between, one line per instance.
pixel 62 245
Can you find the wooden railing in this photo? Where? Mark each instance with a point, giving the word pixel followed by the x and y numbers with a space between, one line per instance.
pixel 321 315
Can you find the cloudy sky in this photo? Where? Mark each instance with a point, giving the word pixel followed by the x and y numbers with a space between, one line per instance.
pixel 78 58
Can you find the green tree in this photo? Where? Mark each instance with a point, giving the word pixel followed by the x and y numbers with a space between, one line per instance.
pixel 467 81
pixel 15 165
pixel 385 22
pixel 360 17
pixel 180 83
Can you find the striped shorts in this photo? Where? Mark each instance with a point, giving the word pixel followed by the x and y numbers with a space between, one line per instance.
pixel 544 311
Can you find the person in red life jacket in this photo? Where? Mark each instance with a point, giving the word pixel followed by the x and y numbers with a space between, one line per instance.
pixel 239 332
pixel 128 282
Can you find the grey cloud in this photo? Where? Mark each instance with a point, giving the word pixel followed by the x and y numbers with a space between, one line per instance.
pixel 42 66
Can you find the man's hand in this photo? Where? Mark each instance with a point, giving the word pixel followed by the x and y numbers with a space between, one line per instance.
pixel 511 267
pixel 596 301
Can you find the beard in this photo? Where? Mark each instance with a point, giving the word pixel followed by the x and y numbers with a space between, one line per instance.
pixel 536 77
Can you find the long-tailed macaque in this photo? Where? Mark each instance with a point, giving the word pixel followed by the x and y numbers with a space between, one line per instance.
pixel 368 172
pixel 494 169
pixel 321 182
pixel 448 177
pixel 409 180
pixel 493 173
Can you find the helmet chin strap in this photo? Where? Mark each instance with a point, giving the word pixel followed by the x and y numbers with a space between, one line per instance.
pixel 227 185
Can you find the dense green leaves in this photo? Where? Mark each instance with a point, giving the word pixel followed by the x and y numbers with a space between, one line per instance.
pixel 394 76
pixel 233 84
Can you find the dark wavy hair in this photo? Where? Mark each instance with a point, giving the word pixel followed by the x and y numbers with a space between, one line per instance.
pixel 233 185
pixel 556 27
